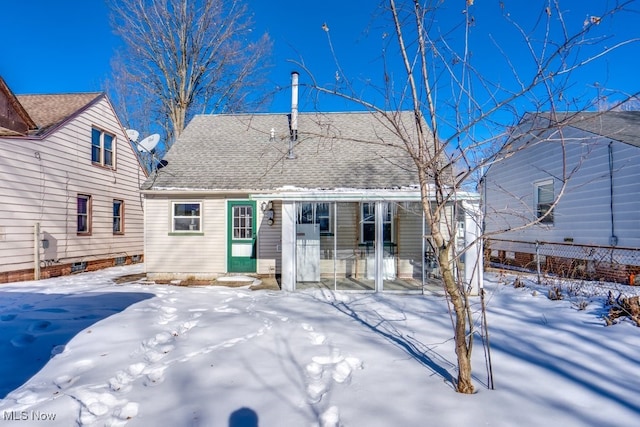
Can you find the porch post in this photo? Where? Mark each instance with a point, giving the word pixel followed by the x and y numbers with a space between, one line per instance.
pixel 473 267
pixel 379 247
pixel 288 253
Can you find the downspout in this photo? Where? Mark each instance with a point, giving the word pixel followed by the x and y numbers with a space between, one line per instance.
pixel 36 251
pixel 613 239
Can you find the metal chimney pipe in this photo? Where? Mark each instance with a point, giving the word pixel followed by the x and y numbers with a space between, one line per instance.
pixel 294 113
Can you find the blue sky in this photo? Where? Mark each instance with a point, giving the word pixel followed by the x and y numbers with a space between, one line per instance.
pixel 66 45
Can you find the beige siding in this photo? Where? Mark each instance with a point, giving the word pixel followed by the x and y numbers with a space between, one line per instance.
pixel 409 233
pixel 40 180
pixel 200 255
pixel 203 255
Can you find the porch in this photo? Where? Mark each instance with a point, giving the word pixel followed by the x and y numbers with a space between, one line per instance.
pixel 364 244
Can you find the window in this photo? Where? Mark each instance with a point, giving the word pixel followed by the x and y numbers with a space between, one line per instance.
pixel 243 222
pixel 84 214
pixel 316 213
pixel 118 216
pixel 101 148
pixel 544 200
pixel 187 217
pixel 78 267
pixel 368 223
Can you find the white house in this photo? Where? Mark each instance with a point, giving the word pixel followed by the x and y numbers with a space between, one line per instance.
pixel 69 186
pixel 594 226
pixel 314 199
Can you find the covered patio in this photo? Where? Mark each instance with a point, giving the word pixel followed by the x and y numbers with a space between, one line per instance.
pixel 369 241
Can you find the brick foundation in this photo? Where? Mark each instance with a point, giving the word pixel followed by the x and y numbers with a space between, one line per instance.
pixel 57 270
pixel 572 268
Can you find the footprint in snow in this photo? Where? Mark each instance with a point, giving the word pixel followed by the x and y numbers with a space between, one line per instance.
pixel 154 375
pixel 226 309
pixel 159 338
pixel 121 382
pixel 275 313
pixel 22 340
pixel 58 350
pixel 76 370
pixel 104 409
pixel 186 326
pixel 316 338
pixel 153 356
pixel 321 368
pixel 39 326
pixel 167 314
pixel 330 417
pixel 316 391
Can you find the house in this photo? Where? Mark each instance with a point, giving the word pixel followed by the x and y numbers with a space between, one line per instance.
pixel 314 199
pixel 593 229
pixel 69 186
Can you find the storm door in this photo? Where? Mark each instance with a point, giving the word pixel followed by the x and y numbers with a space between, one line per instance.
pixel 241 247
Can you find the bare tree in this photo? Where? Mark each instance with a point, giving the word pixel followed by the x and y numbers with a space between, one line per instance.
pixel 463 117
pixel 182 57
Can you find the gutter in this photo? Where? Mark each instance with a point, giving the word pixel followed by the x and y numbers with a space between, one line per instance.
pixel 309 195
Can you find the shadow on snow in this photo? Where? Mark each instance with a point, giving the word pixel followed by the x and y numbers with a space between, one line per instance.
pixel 35 326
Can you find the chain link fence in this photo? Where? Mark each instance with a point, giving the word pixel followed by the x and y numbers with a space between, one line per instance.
pixel 586 269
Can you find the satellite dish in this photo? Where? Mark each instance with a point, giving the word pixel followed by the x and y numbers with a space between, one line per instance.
pixel 133 135
pixel 149 143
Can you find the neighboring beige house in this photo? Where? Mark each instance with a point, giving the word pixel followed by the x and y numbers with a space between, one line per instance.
pixel 315 199
pixel 69 186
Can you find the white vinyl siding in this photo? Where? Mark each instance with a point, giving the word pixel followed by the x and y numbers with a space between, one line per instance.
pixel 583 211
pixel 40 180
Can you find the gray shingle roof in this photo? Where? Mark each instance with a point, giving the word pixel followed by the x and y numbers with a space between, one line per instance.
pixel 621 126
pixel 355 150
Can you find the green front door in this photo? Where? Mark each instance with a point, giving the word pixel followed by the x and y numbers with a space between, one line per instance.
pixel 241 247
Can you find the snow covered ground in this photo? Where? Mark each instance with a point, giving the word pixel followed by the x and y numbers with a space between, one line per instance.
pixel 83 350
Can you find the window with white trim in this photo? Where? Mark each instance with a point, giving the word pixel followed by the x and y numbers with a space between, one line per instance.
pixel 316 213
pixel 186 217
pixel 543 199
pixel 102 148
pixel 368 222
